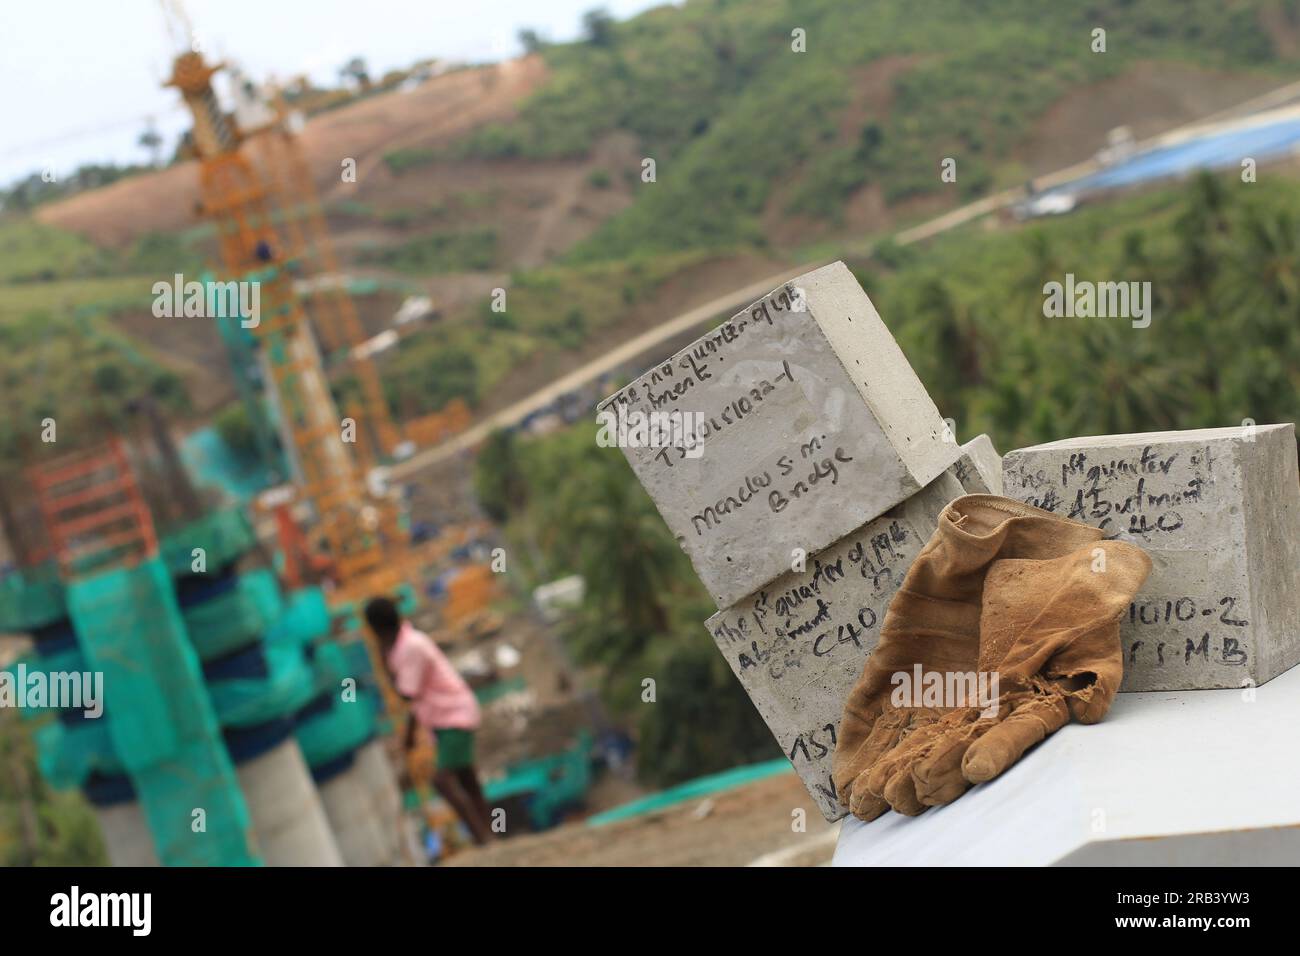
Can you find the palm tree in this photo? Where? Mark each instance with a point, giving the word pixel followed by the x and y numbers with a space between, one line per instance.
pixel 1268 272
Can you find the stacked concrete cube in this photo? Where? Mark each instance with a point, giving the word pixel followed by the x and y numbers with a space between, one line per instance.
pixel 810 468
pixel 1218 510
pixel 798 644
pixel 804 421
pixel 979 468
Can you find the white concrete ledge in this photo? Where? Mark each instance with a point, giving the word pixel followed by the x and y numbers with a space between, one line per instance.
pixel 1173 778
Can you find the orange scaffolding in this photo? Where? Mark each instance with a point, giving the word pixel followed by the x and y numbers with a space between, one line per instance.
pixel 93 509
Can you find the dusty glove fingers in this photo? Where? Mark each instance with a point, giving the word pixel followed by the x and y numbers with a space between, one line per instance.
pixel 849 769
pixel 905 790
pixel 864 804
pixel 919 726
pixel 900 793
pixel 938 777
pixel 891 777
pixel 1003 744
pixel 896 734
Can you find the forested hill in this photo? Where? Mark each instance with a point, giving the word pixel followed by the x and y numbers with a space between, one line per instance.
pixel 737 120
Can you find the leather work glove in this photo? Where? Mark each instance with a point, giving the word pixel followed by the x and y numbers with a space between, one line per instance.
pixel 1003 589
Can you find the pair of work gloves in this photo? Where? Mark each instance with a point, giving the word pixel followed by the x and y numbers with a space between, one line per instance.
pixel 1001 588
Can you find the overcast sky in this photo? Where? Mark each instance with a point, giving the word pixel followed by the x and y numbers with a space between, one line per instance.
pixel 79 78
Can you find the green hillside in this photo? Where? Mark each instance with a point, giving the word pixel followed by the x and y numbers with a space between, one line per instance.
pixel 716 95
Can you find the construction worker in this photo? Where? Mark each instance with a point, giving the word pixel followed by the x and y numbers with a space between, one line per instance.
pixel 441 702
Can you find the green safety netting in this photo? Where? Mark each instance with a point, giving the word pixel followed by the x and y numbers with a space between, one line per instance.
pixel 31 598
pixel 552 783
pixel 356 661
pixel 348 723
pixel 344 727
pixel 291 683
pixel 223 535
pixel 70 659
pixel 690 790
pixel 329 667
pixel 68 754
pixel 498 689
pixel 305 617
pixel 212 463
pixel 237 618
pixel 268 273
pixel 247 701
pixel 198 778
pixel 159 717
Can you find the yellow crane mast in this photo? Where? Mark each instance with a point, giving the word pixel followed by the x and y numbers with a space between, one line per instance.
pixel 269 238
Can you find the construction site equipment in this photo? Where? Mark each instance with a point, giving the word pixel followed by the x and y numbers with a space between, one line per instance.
pixel 129 628
pixel 301 564
pixel 470 592
pixel 270 233
pixel 325 288
pixel 93 509
pixel 159 718
pixel 210 671
pixel 206 673
pixel 435 427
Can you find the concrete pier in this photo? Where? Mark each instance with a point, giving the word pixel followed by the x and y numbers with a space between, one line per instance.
pixel 798 645
pixel 364 810
pixel 289 819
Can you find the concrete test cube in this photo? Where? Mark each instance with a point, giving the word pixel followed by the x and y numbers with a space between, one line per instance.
pixel 804 421
pixel 798 645
pixel 1218 511
pixel 979 469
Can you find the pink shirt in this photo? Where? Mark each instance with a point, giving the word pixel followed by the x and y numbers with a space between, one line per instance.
pixel 440 698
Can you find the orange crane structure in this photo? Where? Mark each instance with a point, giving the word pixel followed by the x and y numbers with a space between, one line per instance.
pixel 256 190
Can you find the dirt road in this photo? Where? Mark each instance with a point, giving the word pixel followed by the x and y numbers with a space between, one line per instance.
pixel 733 828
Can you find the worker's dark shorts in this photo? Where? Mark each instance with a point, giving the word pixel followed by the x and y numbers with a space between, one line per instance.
pixel 455 748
